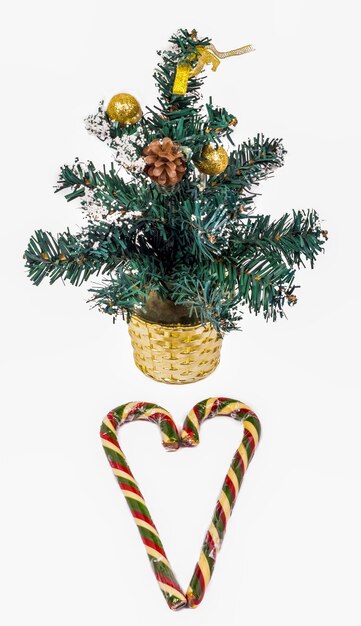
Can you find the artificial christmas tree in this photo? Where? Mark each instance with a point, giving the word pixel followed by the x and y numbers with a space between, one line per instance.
pixel 176 241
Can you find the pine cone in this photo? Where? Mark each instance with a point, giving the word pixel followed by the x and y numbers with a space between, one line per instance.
pixel 165 163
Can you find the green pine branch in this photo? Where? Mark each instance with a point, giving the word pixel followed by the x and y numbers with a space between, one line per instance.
pixel 74 258
pixel 108 186
pixel 252 162
pixel 121 294
pixel 293 239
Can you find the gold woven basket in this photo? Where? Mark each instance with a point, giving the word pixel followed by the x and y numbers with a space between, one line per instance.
pixel 174 353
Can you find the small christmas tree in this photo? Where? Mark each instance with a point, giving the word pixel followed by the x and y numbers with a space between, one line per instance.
pixel 176 239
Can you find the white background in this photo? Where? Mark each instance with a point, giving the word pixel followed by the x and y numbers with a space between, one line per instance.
pixel 70 553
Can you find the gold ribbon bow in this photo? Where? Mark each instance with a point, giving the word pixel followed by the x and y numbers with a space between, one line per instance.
pixel 207 55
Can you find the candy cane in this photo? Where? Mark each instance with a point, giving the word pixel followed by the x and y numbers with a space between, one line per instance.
pixel 130 412
pixel 227 498
pixel 206 409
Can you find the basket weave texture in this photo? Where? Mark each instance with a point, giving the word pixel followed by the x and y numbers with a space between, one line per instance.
pixel 174 354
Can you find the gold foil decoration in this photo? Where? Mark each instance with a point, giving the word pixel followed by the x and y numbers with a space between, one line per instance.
pixel 125 109
pixel 207 55
pixel 213 160
pixel 174 353
pixel 181 79
pixel 232 53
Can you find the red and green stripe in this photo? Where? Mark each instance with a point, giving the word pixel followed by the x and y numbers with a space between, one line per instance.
pixel 211 407
pixel 170 587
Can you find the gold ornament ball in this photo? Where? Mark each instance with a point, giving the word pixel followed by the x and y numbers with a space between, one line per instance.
pixel 125 109
pixel 213 160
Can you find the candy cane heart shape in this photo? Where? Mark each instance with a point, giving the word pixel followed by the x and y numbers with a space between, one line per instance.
pixel 212 407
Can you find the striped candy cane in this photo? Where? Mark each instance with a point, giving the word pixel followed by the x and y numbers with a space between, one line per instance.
pixel 131 412
pixel 233 480
pixel 206 409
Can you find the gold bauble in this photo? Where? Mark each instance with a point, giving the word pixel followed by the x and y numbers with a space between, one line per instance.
pixel 125 109
pixel 213 160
